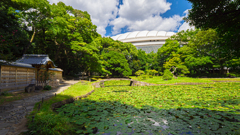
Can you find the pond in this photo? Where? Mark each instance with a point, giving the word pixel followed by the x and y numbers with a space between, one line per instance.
pixel 182 109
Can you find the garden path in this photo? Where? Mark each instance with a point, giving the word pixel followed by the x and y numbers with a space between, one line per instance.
pixel 12 115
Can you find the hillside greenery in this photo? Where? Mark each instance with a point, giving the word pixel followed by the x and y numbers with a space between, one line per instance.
pixel 70 39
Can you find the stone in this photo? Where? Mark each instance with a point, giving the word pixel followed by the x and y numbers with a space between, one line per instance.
pixel 4 131
pixel 30 107
pixel 4 125
pixel 30 88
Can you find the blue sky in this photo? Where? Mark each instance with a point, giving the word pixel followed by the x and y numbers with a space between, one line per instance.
pixel 113 17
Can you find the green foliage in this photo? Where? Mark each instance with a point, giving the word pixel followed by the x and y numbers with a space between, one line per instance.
pixel 142 77
pixel 220 15
pixel 176 65
pixel 46 121
pixel 12 38
pixel 117 83
pixel 152 72
pixel 116 64
pixel 167 75
pixel 139 72
pixel 47 87
pixel 66 34
pixel 192 51
pixel 5 93
pixel 50 124
pixel 184 80
pixel 208 109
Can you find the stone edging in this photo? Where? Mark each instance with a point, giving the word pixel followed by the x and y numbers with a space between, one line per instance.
pixel 68 101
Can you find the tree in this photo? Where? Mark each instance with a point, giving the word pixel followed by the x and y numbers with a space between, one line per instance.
pixel 167 75
pixel 12 36
pixel 116 64
pixel 176 66
pixel 199 53
pixel 224 16
pixel 139 72
pixel 165 53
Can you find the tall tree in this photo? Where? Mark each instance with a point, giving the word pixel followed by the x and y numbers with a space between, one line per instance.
pixel 223 15
pixel 12 36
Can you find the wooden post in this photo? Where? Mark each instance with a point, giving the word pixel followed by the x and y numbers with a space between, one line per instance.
pixel 133 83
pixel 16 77
pixel 27 76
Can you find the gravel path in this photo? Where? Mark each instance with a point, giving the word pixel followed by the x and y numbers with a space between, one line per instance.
pixel 12 115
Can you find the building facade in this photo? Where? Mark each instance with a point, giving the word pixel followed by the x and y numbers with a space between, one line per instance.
pixel 148 41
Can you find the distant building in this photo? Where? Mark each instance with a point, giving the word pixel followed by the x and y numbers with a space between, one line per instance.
pixel 148 41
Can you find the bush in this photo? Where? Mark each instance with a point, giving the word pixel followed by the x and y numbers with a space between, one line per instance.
pixel 47 87
pixel 5 93
pixel 152 72
pixel 150 76
pixel 233 75
pixel 139 72
pixel 167 75
pixel 144 77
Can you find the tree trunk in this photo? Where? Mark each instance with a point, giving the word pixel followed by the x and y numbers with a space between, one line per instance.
pixel 30 42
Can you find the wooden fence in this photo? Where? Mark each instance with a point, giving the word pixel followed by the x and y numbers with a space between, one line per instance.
pixel 17 78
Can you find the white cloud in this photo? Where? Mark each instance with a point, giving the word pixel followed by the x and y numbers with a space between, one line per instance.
pixel 144 15
pixel 185 26
pixel 133 14
pixel 150 23
pixel 142 9
pixel 101 11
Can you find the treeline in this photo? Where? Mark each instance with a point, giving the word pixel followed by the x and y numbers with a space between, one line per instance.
pixel 70 39
pixel 192 53
pixel 67 35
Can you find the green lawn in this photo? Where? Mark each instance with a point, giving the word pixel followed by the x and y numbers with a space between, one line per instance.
pixel 117 83
pixel 46 121
pixel 199 109
pixel 159 80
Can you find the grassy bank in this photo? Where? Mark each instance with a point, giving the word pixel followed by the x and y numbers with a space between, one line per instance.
pixel 159 80
pixel 48 122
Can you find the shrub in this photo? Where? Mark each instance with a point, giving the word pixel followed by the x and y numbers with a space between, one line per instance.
pixel 140 78
pixel 47 87
pixel 139 72
pixel 5 93
pixel 150 76
pixel 152 72
pixel 144 77
pixel 167 75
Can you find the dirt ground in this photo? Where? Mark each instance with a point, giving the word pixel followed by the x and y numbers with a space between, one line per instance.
pixel 17 96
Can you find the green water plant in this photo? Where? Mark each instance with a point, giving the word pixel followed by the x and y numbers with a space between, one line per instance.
pixel 204 109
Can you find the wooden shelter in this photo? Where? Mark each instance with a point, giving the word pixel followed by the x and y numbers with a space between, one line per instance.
pixel 29 69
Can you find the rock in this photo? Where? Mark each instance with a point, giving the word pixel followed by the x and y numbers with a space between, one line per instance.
pixel 4 125
pixel 4 131
pixel 30 88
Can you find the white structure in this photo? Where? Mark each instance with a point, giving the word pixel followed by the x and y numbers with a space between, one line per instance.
pixel 148 41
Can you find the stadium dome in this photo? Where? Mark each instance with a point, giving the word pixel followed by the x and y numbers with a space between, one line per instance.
pixel 148 41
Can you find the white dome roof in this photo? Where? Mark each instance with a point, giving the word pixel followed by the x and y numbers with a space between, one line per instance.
pixel 143 35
